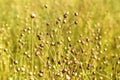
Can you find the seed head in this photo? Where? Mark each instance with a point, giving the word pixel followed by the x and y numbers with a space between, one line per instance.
pixel 5 49
pixel 94 73
pixel 69 32
pixel 15 62
pixel 118 62
pixel 57 22
pixel 59 19
pixel 41 45
pixel 76 14
pixel 69 39
pixel 81 35
pixel 46 6
pixel 47 24
pixel 66 14
pixel 33 15
pixel 37 53
pixel 31 78
pixel 24 30
pixel 25 53
pixel 22 69
pixel 101 78
pixel 47 42
pixel 39 37
pixel 72 51
pixel 30 73
pixel 18 69
pixel 28 56
pixel 64 21
pixel 105 49
pixel 76 22
pixel 40 74
pixel 52 44
pixel 59 26
pixel 94 78
pixel 68 77
pixel 87 39
pixel 79 41
pixel 58 74
pixel 83 42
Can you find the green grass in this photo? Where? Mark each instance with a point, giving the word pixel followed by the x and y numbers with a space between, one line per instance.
pixel 63 40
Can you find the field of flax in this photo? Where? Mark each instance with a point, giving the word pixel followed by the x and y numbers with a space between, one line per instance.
pixel 59 39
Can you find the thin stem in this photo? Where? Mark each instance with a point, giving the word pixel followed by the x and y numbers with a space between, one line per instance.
pixel 32 44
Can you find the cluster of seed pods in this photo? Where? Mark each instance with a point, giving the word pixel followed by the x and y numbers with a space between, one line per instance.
pixel 61 51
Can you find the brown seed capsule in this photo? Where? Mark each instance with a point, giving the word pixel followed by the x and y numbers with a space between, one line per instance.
pixel 41 45
pixel 94 78
pixel 24 30
pixel 101 78
pixel 68 77
pixel 59 19
pixel 64 21
pixel 22 35
pixel 59 26
pixel 81 35
pixel 64 70
pixel 25 53
pixel 69 39
pixel 76 22
pixel 118 62
pixel 94 73
pixel 47 42
pixel 83 42
pixel 87 39
pixel 69 62
pixel 40 74
pixel 52 44
pixel 58 74
pixel 37 53
pixel 59 62
pixel 58 42
pixel 47 34
pixel 79 41
pixel 33 15
pixel 29 28
pixel 97 38
pixel 30 73
pixel 76 14
pixel 39 37
pixel 69 32
pixel 46 6
pixel 89 66
pixel 22 69
pixel 15 62
pixel 105 49
pixel 28 56
pixel 18 69
pixel 31 78
pixel 47 24
pixel 72 51
pixel 5 49
pixel 66 15
pixel 57 22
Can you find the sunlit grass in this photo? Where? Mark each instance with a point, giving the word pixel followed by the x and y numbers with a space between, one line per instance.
pixel 60 40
